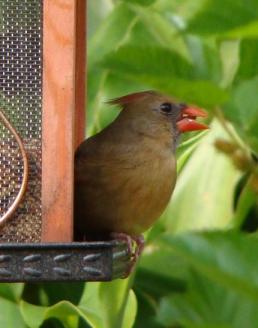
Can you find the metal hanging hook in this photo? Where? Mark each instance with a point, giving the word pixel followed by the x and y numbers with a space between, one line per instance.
pixel 22 190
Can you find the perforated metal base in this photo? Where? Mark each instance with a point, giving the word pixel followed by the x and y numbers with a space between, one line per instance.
pixel 87 261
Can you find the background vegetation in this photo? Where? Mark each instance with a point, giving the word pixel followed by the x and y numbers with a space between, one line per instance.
pixel 199 268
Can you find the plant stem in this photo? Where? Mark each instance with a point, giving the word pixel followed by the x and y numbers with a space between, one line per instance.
pixel 246 201
pixel 96 126
pixel 230 132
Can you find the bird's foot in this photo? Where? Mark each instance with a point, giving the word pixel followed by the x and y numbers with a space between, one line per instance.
pixel 135 246
pixel 139 240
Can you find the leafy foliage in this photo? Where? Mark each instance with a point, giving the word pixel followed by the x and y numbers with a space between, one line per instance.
pixel 203 52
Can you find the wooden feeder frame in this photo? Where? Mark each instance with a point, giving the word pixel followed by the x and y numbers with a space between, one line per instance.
pixel 57 258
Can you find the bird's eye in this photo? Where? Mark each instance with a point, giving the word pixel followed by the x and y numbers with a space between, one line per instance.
pixel 166 108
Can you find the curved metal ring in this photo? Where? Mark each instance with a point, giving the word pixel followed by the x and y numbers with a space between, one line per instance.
pixel 22 190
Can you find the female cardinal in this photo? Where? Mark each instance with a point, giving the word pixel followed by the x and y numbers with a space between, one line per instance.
pixel 125 175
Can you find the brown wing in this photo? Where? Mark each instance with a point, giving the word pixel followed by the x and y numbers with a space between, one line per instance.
pixel 101 173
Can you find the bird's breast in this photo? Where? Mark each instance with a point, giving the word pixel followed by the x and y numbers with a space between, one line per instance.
pixel 147 189
pixel 125 192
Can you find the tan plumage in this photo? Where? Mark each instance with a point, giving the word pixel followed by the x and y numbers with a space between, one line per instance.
pixel 125 175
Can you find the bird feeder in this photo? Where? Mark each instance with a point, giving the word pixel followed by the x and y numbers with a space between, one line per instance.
pixel 42 107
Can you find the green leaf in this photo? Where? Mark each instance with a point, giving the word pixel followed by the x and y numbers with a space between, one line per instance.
pixel 33 315
pixel 242 111
pixel 227 258
pixel 10 314
pixel 157 284
pixel 248 31
pixel 64 311
pixel 229 53
pixel 205 57
pixel 103 305
pixel 207 304
pixel 186 148
pixel 146 315
pixel 210 298
pixel 159 273
pixel 157 261
pixel 181 8
pixel 245 102
pixel 204 301
pixel 96 14
pixel 111 34
pixel 246 201
pixel 109 305
pixel 199 200
pixel 248 67
pixel 164 70
pixel 191 91
pixel 130 311
pixel 11 292
pixel 155 28
pixel 148 61
pixel 47 294
pixel 220 16
pixel 121 311
pixel 141 2
pixel 90 304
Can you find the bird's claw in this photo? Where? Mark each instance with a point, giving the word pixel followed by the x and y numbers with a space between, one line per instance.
pixel 135 245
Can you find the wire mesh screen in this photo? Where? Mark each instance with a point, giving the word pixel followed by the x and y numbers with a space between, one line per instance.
pixel 20 100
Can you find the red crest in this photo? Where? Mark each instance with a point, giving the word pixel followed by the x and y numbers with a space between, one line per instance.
pixel 130 98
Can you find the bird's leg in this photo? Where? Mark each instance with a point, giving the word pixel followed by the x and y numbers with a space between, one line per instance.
pixel 126 238
pixel 139 240
pixel 135 245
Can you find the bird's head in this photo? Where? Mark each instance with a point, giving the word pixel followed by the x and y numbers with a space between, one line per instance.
pixel 152 112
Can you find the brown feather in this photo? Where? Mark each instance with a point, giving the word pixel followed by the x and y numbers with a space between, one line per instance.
pixel 125 175
pixel 133 97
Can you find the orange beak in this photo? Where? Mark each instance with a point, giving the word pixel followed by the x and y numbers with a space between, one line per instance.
pixel 187 121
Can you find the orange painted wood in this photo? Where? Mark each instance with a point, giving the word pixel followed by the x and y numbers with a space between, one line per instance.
pixel 80 72
pixel 59 63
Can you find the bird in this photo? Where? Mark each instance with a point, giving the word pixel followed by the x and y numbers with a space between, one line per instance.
pixel 125 174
